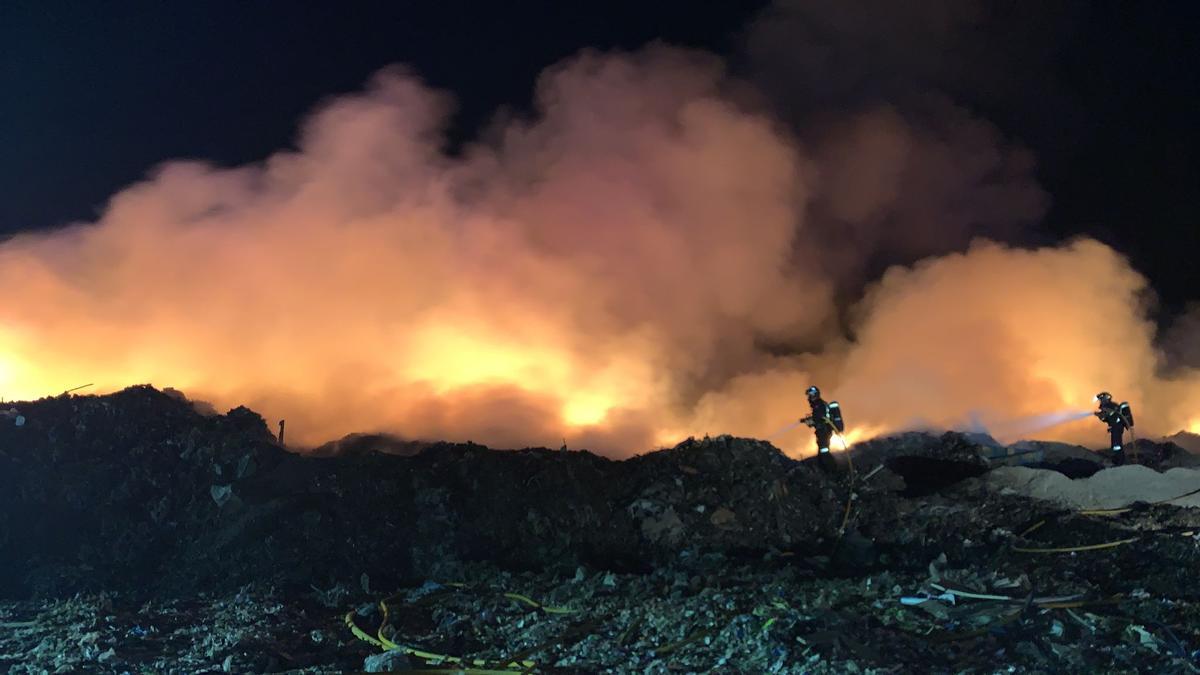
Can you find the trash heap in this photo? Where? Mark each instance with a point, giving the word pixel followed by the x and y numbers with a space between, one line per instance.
pixel 143 533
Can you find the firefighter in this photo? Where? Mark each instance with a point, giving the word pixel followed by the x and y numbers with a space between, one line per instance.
pixel 1118 417
pixel 825 419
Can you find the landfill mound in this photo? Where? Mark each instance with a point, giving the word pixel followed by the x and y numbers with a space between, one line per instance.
pixel 138 490
pixel 140 532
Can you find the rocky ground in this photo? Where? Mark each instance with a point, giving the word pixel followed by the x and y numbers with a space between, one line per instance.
pixel 139 534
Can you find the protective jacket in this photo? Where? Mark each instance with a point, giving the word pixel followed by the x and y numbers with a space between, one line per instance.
pixel 1118 417
pixel 1115 415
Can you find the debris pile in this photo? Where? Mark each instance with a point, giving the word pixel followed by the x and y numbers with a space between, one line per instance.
pixel 105 493
pixel 142 534
pixel 97 492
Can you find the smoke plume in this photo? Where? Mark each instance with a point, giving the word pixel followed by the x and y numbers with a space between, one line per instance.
pixel 996 336
pixel 644 257
pixel 906 169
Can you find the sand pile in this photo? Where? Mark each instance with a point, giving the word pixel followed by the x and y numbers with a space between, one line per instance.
pixel 1108 489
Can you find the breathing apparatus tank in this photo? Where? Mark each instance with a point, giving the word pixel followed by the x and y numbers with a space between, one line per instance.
pixel 1126 414
pixel 835 416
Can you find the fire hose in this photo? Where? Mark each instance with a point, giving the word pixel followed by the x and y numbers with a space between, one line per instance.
pixel 850 489
pixel 477 666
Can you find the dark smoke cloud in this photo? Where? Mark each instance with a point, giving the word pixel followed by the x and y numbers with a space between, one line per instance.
pixel 906 169
pixel 896 187
pixel 821 55
pixel 1181 343
pixel 818 55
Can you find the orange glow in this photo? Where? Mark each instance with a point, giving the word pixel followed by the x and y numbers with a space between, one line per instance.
pixel 586 410
pixel 852 436
pixel 450 359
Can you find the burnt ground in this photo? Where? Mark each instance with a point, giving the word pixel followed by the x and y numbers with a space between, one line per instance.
pixel 139 535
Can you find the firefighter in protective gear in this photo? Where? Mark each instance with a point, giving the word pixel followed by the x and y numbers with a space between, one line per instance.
pixel 1118 417
pixel 825 419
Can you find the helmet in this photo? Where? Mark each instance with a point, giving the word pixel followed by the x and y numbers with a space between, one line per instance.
pixel 1104 396
pixel 813 392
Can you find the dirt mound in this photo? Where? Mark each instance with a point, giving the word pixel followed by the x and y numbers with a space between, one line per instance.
pixel 1188 441
pixel 951 446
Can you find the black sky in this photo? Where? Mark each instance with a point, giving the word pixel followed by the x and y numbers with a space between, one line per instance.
pixel 95 94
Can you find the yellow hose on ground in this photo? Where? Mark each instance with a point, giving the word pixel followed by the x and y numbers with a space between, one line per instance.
pixel 388 645
pixel 1074 549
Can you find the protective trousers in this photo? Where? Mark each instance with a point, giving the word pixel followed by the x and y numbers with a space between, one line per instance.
pixel 1117 434
pixel 824 434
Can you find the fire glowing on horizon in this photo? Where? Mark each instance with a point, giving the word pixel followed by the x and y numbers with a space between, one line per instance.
pixel 609 272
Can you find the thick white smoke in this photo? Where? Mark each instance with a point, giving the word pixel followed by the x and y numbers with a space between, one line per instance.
pixel 640 259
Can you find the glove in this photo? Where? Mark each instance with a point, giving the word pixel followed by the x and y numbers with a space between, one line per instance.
pixel 808 421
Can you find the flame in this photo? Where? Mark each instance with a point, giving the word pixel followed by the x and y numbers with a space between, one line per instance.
pixel 588 409
pixel 1193 427
pixel 23 379
pixel 451 360
pixel 858 435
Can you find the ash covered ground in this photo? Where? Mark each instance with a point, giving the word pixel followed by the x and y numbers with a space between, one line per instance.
pixel 139 535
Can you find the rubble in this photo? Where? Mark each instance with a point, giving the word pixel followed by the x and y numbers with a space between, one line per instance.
pixel 1072 461
pixel 390 661
pixel 141 535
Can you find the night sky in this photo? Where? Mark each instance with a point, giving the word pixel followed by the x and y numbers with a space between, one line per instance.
pixel 96 94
